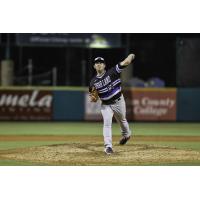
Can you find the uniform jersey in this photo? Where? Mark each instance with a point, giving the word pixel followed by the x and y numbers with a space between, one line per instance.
pixel 108 85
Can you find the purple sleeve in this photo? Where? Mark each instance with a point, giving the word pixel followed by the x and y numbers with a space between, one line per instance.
pixel 118 68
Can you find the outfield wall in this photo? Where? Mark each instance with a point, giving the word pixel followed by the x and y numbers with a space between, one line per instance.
pixel 72 104
pixel 188 101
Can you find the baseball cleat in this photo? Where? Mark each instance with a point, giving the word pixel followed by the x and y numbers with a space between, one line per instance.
pixel 108 150
pixel 124 140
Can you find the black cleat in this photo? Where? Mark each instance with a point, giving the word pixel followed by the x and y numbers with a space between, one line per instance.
pixel 124 140
pixel 108 150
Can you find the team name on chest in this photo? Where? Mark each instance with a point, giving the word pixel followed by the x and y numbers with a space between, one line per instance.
pixel 103 82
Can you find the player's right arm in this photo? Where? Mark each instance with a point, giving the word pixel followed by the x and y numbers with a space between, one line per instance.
pixel 127 61
pixel 122 65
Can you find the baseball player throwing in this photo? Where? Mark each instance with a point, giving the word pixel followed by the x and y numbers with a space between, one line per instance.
pixel 106 85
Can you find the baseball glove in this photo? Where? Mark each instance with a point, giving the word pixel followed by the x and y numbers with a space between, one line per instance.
pixel 94 95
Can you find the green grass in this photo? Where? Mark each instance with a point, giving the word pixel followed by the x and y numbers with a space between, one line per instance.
pixel 167 129
pixel 86 128
pixel 23 144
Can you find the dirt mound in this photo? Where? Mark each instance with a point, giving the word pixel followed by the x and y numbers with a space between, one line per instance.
pixel 92 154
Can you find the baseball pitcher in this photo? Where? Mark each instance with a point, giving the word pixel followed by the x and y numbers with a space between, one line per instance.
pixel 106 85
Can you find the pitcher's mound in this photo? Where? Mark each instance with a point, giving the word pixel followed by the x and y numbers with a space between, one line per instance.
pixel 92 154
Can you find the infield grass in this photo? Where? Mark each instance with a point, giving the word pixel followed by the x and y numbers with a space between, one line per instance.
pixel 94 129
pixel 87 128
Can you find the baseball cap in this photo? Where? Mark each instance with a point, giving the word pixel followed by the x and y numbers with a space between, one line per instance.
pixel 99 59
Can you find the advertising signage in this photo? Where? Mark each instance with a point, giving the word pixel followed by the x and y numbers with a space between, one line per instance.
pixel 88 40
pixel 26 105
pixel 154 105
pixel 141 105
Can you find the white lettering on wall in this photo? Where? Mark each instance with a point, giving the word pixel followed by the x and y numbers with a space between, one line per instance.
pixel 26 100
pixel 150 106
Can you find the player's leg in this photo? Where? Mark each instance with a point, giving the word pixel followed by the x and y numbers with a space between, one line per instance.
pixel 119 109
pixel 107 114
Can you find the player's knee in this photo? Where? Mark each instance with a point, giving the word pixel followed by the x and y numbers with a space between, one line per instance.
pixel 123 120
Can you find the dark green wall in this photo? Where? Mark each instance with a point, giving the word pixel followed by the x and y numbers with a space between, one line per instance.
pixel 68 105
pixel 188 104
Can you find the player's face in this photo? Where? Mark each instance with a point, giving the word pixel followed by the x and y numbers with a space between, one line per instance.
pixel 99 66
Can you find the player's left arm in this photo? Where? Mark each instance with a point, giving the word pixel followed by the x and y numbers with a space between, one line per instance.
pixel 127 61
pixel 93 95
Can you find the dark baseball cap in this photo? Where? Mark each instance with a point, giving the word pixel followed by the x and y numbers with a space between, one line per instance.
pixel 99 59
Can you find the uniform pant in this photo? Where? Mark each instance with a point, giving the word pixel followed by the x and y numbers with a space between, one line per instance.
pixel 117 109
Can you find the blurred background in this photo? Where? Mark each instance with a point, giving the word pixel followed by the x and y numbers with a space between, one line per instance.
pixel 67 59
pixel 49 60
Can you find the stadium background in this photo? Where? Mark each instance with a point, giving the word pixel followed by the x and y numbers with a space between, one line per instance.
pixel 44 79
